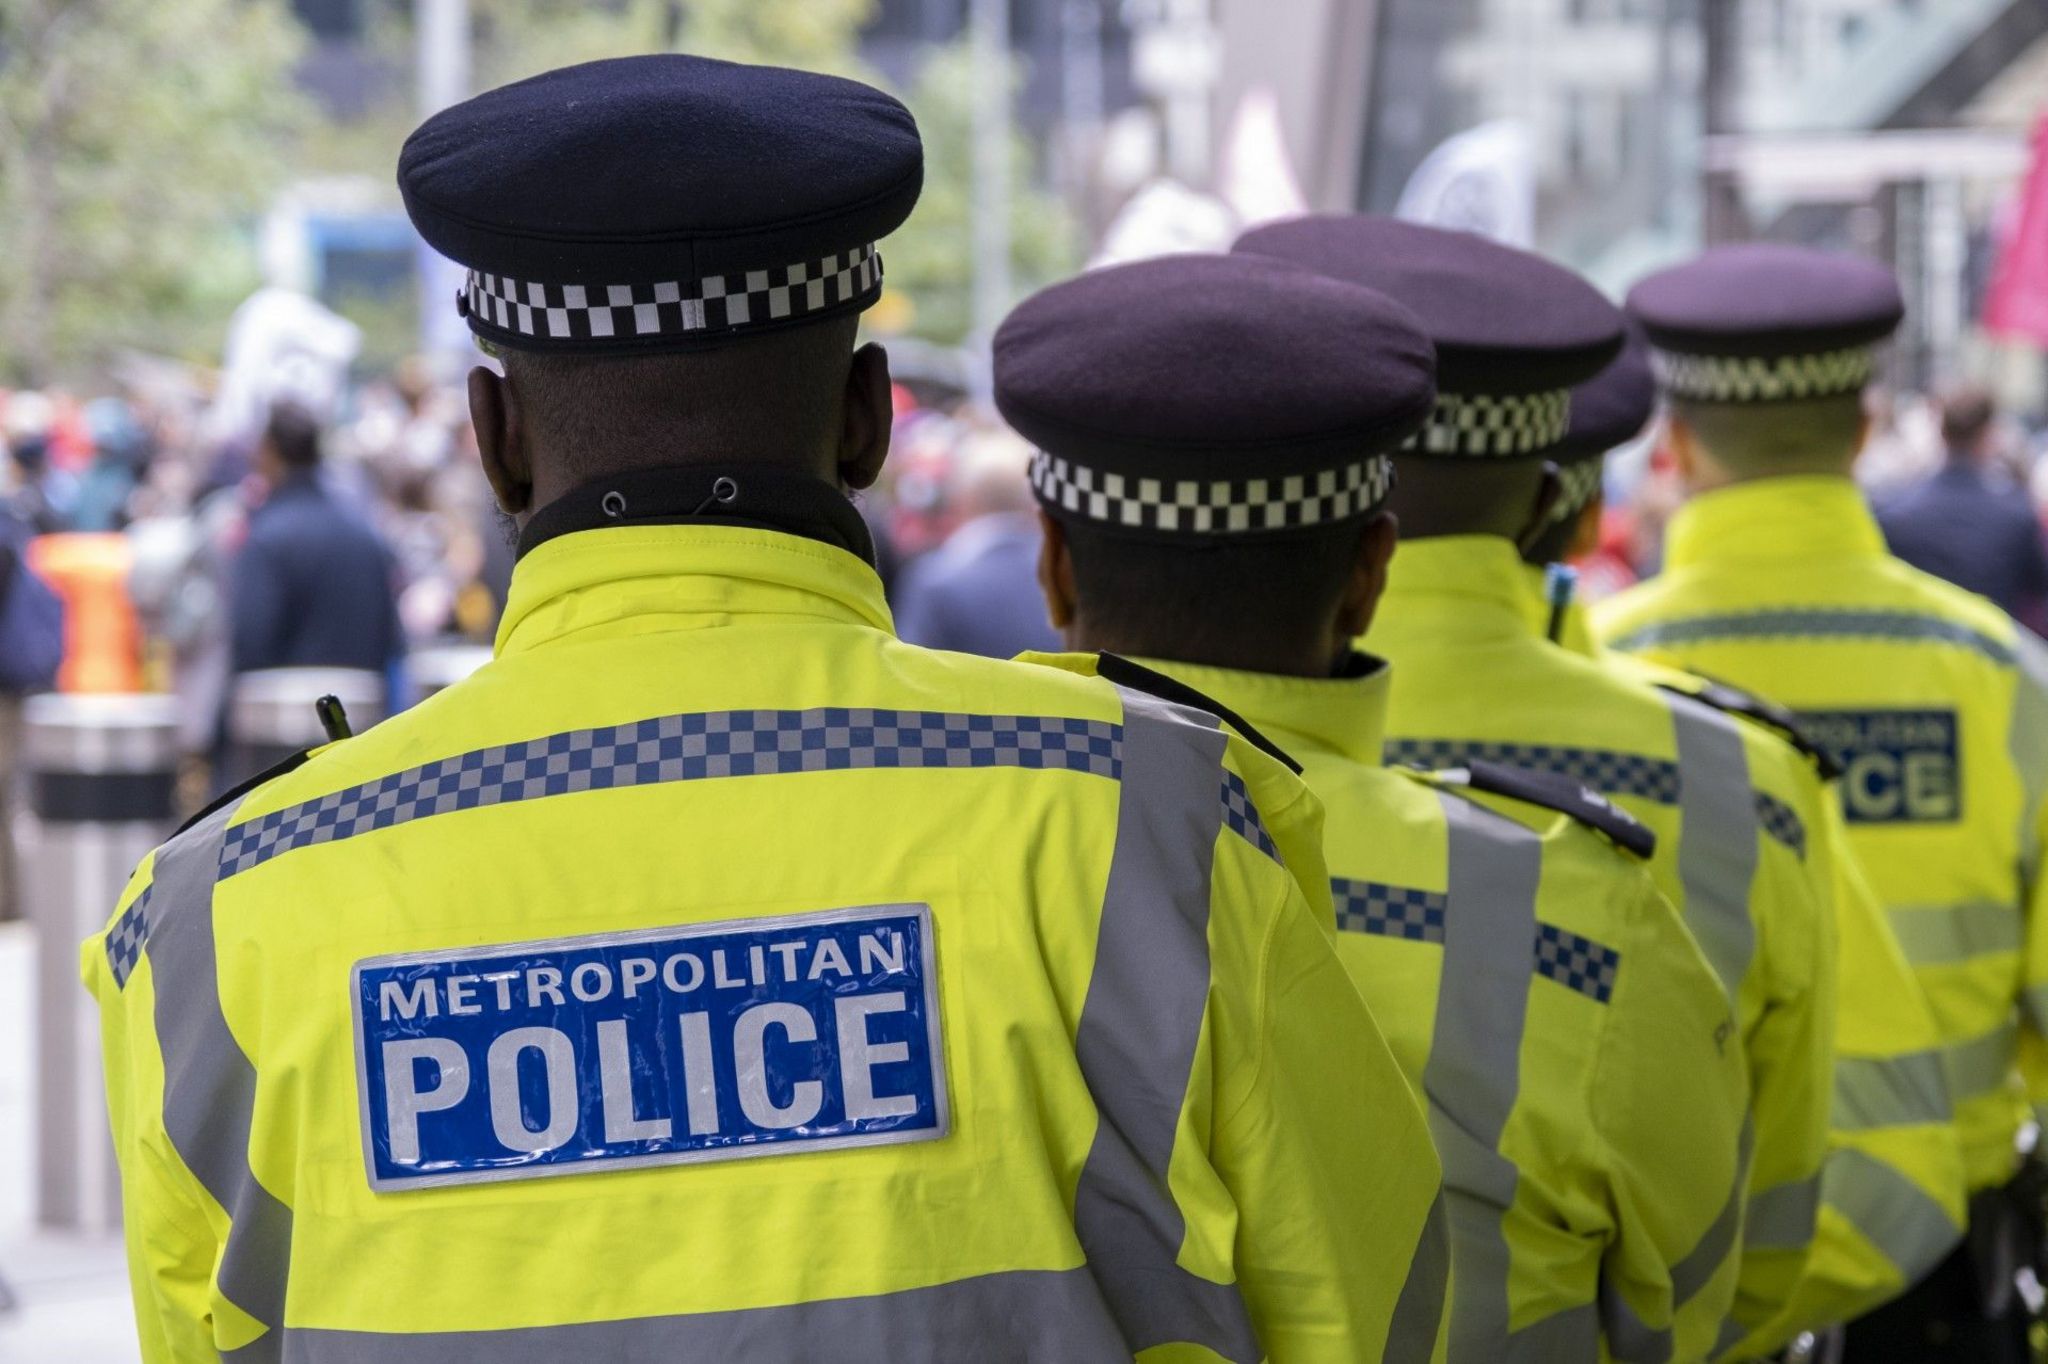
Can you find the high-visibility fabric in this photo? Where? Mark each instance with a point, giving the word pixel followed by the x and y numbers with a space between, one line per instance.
pixel 1542 994
pixel 1938 705
pixel 1172 1130
pixel 1893 1194
pixel 1731 807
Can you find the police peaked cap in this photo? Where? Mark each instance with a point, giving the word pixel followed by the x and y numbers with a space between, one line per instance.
pixel 1513 332
pixel 1761 323
pixel 1608 410
pixel 1208 395
pixel 662 202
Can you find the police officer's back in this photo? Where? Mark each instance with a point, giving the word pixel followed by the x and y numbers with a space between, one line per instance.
pixel 712 976
pixel 1895 1171
pixel 1474 678
pixel 1535 985
pixel 1932 700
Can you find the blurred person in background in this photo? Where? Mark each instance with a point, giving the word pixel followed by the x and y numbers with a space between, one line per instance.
pixel 31 648
pixel 977 593
pixel 120 457
pixel 29 498
pixel 314 584
pixel 1969 522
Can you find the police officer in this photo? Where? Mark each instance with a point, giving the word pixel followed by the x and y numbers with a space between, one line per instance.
pixel 1934 703
pixel 712 976
pixel 1732 805
pixel 1609 410
pixel 1536 986
pixel 1894 1161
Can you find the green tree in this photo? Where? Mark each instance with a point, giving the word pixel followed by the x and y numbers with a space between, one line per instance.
pixel 137 140
pixel 930 258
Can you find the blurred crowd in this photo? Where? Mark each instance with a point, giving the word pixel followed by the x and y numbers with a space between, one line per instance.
pixel 146 545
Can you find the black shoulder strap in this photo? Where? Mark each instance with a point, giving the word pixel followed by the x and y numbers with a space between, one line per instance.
pixel 1120 670
pixel 1560 793
pixel 1733 700
pixel 240 789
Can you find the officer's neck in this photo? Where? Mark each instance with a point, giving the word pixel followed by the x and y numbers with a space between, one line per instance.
pixel 759 495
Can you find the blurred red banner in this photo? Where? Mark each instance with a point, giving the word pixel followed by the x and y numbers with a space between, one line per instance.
pixel 2016 304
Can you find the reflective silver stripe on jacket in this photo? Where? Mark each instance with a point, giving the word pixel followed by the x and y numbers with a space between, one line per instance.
pixel 209 1084
pixel 1717 850
pixel 2028 740
pixel 1983 1064
pixel 1036 1314
pixel 1943 935
pixel 1890 1091
pixel 1140 1023
pixel 1473 1074
pixel 1908 1226
pixel 1782 1216
pixel 1419 1312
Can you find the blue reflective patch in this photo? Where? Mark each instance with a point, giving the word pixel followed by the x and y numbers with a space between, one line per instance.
pixel 1898 766
pixel 801 1033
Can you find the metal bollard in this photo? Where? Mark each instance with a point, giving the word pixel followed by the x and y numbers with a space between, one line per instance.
pixel 102 775
pixel 271 715
pixel 440 666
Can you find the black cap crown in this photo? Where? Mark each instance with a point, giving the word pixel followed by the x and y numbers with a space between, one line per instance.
pixel 662 202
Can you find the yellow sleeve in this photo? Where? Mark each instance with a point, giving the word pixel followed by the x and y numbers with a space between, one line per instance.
pixel 1671 1152
pixel 2029 744
pixel 1341 1247
pixel 1892 1195
pixel 174 1231
pixel 1791 1055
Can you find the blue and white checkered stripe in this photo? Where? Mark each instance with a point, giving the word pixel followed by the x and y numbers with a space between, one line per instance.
pixel 1387 911
pixel 705 745
pixel 612 312
pixel 1606 770
pixel 1781 822
pixel 1576 963
pixel 126 937
pixel 675 748
pixel 1242 817
pixel 1816 622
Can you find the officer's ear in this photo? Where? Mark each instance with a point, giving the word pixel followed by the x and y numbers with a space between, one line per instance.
pixel 1586 534
pixel 1055 572
pixel 1549 492
pixel 866 418
pixel 500 440
pixel 1684 445
pixel 1368 577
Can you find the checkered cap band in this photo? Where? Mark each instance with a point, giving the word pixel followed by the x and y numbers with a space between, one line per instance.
pixel 608 313
pixel 1489 424
pixel 1212 506
pixel 1577 484
pixel 1761 378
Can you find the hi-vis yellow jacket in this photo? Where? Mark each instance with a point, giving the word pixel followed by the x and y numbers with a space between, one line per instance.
pixel 1545 997
pixel 1892 1193
pixel 1936 706
pixel 1731 805
pixel 449 1043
